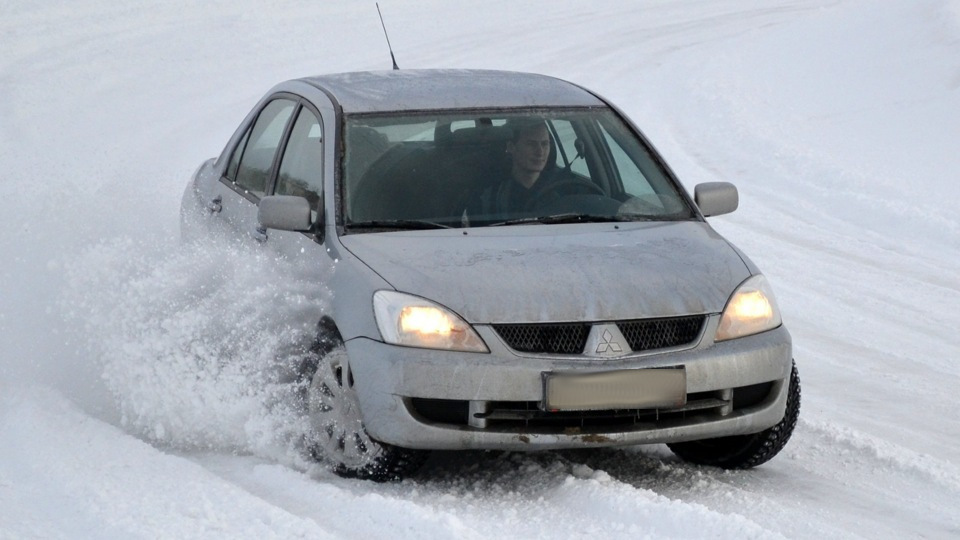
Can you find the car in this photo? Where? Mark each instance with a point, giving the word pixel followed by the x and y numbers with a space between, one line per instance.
pixel 512 266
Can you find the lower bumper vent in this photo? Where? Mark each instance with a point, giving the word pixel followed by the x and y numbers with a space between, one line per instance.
pixel 527 415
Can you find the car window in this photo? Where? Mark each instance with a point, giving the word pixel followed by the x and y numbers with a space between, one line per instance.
pixel 463 168
pixel 634 181
pixel 567 153
pixel 640 173
pixel 253 170
pixel 301 169
pixel 235 158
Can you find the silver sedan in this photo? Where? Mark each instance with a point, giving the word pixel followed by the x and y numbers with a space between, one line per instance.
pixel 513 266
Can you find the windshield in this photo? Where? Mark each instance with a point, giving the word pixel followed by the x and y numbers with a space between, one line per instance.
pixel 501 168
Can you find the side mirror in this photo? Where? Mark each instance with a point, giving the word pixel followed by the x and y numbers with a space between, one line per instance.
pixel 716 198
pixel 284 212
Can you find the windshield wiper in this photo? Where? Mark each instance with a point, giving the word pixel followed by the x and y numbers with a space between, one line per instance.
pixel 661 217
pixel 645 217
pixel 407 224
pixel 572 217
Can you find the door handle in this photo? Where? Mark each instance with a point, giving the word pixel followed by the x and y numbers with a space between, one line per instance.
pixel 259 234
pixel 216 205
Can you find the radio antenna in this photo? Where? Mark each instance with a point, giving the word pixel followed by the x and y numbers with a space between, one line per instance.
pixel 386 36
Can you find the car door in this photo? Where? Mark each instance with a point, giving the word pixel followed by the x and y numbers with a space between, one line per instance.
pixel 300 172
pixel 248 175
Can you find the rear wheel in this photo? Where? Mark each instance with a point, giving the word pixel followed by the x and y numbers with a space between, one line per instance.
pixel 746 451
pixel 335 432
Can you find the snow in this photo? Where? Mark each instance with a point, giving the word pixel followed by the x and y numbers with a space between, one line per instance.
pixel 836 119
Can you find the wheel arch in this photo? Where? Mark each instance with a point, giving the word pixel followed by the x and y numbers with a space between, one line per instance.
pixel 328 335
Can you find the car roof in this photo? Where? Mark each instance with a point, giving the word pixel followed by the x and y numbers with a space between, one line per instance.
pixel 426 89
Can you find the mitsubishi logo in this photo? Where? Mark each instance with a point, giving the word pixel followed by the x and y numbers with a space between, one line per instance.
pixel 606 340
pixel 607 344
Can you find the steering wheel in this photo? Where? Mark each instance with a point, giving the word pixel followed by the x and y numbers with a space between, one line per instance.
pixel 574 184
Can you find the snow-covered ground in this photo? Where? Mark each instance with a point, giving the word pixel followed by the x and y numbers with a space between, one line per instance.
pixel 838 120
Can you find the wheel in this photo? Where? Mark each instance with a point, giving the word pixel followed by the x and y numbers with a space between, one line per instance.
pixel 746 451
pixel 335 432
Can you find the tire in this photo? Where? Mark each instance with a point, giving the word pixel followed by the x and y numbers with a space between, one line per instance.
pixel 335 434
pixel 746 451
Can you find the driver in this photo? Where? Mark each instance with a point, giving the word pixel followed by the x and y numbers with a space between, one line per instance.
pixel 529 177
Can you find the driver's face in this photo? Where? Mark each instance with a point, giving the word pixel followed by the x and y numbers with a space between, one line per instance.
pixel 531 150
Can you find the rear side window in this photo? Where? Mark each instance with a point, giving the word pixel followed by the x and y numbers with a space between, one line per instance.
pixel 235 158
pixel 301 169
pixel 253 169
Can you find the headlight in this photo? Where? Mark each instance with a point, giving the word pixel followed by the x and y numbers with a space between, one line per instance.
pixel 752 309
pixel 404 319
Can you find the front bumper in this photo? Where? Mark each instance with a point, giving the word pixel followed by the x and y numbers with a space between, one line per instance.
pixel 390 381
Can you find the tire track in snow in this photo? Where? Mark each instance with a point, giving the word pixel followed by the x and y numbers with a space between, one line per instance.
pixel 787 494
pixel 485 495
pixel 844 440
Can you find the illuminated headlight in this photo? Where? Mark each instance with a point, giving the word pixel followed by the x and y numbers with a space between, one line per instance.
pixel 751 309
pixel 404 319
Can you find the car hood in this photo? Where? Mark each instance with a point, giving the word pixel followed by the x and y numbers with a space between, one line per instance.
pixel 543 273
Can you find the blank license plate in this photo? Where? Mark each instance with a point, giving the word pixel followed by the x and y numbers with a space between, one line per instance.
pixel 624 389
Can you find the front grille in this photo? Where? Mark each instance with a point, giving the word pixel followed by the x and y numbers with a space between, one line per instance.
pixel 570 338
pixel 650 334
pixel 567 338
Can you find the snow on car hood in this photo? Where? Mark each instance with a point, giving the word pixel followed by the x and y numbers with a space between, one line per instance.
pixel 541 273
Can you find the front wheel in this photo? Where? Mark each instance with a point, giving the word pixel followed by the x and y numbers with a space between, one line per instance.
pixel 335 432
pixel 746 451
